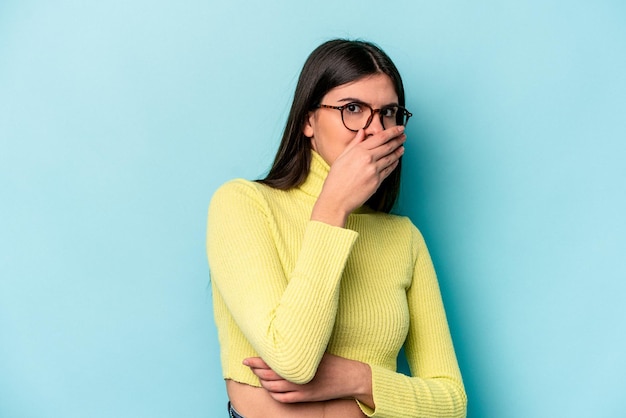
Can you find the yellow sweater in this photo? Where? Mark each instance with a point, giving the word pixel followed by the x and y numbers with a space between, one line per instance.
pixel 287 289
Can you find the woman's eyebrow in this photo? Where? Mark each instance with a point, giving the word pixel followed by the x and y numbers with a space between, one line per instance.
pixel 354 99
pixel 351 99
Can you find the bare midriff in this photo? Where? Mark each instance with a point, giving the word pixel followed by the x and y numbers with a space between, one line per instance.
pixel 253 402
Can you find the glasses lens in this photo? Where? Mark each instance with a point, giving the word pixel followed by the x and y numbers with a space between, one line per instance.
pixel 401 117
pixel 356 115
pixel 391 116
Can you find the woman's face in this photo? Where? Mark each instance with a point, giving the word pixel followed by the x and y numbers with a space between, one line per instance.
pixel 329 136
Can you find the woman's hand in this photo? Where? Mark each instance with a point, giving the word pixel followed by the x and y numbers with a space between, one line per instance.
pixel 336 378
pixel 357 173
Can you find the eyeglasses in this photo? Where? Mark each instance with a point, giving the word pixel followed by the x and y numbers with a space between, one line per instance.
pixel 356 115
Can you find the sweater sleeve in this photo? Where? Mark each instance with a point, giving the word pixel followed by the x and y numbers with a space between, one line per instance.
pixel 287 317
pixel 436 387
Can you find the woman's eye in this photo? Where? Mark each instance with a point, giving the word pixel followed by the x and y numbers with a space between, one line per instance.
pixel 389 112
pixel 354 108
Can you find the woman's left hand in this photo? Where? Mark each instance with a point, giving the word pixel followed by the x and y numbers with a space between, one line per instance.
pixel 336 378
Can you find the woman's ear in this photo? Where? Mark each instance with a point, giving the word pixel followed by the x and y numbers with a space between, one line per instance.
pixel 308 128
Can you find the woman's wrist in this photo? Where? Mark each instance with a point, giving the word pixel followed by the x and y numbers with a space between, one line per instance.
pixel 329 214
pixel 363 384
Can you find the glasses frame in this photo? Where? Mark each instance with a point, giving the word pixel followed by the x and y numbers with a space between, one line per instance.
pixel 402 110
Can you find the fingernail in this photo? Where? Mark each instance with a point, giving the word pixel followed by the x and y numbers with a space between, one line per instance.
pixel 245 362
pixel 400 129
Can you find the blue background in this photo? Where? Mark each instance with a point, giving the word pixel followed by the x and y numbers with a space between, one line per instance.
pixel 119 119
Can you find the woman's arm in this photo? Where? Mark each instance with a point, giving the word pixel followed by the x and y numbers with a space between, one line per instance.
pixel 287 316
pixel 336 378
pixel 436 387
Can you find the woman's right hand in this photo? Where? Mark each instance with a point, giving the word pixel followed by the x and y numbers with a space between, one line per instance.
pixel 357 173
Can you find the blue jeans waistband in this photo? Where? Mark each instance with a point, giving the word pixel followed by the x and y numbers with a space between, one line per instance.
pixel 232 413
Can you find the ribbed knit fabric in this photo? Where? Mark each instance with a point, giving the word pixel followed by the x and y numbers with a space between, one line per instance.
pixel 287 289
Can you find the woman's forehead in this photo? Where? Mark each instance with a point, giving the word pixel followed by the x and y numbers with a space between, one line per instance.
pixel 374 89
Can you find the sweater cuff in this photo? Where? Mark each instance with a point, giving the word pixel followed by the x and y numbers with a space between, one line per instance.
pixel 397 395
pixel 325 248
pixel 389 400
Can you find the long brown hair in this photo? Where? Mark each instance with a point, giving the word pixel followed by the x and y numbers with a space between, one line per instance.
pixel 331 64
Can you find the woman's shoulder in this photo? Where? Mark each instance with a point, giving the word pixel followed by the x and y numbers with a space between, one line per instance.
pixel 240 187
pixel 236 192
pixel 405 224
pixel 397 225
pixel 397 220
pixel 240 193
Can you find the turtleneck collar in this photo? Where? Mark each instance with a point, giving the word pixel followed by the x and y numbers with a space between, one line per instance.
pixel 317 175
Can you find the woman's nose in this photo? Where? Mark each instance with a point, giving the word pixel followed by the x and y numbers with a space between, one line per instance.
pixel 375 124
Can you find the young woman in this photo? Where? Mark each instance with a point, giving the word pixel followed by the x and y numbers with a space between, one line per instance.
pixel 316 287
